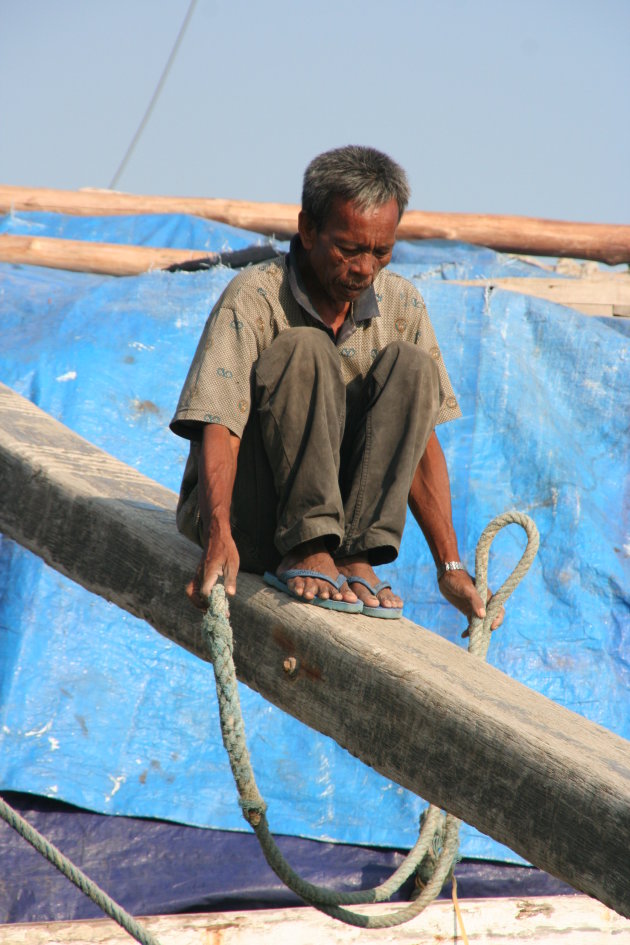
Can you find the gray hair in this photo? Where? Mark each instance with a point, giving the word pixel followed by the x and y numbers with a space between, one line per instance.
pixel 365 176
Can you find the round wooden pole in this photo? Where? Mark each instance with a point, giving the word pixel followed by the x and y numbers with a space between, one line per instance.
pixel 608 243
pixel 111 259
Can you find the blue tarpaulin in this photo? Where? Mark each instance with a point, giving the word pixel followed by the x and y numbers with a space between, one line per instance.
pixel 98 710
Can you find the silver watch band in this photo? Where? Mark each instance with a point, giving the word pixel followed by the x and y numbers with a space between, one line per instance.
pixel 449 566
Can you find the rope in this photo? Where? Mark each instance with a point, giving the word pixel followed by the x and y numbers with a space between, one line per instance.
pixel 437 829
pixel 479 628
pixel 74 874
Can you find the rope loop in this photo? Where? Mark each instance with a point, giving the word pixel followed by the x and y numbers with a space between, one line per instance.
pixel 437 833
pixel 479 628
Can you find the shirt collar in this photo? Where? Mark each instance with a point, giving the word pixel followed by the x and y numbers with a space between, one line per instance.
pixel 363 308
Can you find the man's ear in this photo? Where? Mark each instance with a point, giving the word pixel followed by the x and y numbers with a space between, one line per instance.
pixel 306 229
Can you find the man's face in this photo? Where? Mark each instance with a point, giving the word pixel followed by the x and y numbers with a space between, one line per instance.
pixel 347 254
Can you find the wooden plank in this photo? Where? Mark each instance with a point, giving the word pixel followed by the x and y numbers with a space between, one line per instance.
pixel 554 920
pixel 592 295
pixel 85 256
pixel 546 782
pixel 606 242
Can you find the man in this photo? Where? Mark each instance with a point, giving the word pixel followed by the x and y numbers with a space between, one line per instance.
pixel 310 407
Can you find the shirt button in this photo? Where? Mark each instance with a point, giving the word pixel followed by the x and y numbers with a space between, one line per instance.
pixel 435 352
pixel 451 402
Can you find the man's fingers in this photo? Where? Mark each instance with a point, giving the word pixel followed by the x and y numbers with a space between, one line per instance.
pixel 211 573
pixel 220 559
pixel 459 590
pixel 192 591
pixel 199 588
pixel 230 571
pixel 498 620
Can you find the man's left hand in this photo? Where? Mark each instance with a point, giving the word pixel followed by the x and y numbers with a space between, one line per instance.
pixel 459 590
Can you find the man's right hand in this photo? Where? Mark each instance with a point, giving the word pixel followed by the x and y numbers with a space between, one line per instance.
pixel 217 469
pixel 220 559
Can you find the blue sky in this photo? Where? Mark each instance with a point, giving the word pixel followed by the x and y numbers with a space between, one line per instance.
pixel 492 106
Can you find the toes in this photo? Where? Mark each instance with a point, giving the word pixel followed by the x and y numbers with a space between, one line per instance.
pixel 309 589
pixel 346 594
pixel 390 600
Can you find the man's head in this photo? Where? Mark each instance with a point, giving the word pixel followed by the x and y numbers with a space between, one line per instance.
pixel 352 202
pixel 362 176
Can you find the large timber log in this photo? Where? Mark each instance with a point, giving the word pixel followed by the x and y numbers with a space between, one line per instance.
pixel 546 782
pixel 609 243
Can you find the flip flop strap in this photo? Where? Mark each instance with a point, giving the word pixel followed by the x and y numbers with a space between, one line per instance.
pixel 337 582
pixel 373 590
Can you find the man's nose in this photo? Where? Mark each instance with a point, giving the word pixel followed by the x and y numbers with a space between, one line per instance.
pixel 363 265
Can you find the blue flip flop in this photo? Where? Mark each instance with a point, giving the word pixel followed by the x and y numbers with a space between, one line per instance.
pixel 385 613
pixel 279 581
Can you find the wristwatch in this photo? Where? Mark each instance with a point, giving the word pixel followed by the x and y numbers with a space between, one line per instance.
pixel 449 566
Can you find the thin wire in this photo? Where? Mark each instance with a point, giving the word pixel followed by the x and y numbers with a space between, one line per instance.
pixel 156 94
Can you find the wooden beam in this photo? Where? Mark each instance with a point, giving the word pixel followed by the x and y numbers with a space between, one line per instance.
pixel 608 243
pixel 537 920
pixel 85 256
pixel 592 295
pixel 551 785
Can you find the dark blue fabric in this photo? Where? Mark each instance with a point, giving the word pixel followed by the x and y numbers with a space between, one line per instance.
pixel 153 867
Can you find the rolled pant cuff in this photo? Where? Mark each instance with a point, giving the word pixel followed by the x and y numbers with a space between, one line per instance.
pixel 326 529
pixel 379 547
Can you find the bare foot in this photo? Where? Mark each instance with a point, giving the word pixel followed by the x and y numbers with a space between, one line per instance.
pixel 313 556
pixel 359 566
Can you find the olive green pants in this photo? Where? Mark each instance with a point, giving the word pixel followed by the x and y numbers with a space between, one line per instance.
pixel 319 459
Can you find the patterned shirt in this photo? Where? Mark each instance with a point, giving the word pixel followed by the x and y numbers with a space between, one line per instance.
pixel 264 300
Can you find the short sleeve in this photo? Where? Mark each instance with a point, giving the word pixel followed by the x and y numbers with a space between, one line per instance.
pixel 421 333
pixel 218 386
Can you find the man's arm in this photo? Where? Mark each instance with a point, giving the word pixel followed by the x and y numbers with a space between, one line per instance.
pixel 217 471
pixel 430 503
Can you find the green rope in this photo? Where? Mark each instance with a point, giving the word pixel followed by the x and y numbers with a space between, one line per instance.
pixel 436 827
pixel 71 872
